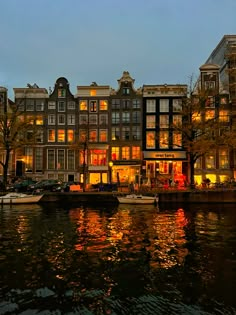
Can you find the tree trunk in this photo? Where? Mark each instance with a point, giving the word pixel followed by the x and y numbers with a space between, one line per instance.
pixel 191 164
pixel 5 170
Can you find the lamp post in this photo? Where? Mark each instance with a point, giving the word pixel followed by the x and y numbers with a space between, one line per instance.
pixel 110 171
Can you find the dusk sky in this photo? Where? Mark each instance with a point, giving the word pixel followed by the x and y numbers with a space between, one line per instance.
pixel 157 41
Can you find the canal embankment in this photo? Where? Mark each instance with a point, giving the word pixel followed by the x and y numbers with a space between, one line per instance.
pixel 192 196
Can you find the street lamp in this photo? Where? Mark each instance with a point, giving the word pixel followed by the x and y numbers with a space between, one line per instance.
pixel 110 171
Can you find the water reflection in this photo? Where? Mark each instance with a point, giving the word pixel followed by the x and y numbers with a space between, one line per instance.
pixel 118 260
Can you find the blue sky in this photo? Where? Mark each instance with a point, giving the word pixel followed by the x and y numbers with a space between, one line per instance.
pixel 157 41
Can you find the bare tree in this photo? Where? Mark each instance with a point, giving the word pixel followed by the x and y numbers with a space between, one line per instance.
pixel 200 131
pixel 14 128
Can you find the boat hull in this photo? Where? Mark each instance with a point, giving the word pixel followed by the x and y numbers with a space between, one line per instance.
pixel 134 199
pixel 19 199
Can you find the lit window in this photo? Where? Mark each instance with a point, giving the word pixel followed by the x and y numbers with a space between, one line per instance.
pixel 93 92
pixel 83 135
pixel 93 136
pixel 150 121
pixel 103 135
pixel 136 153
pixel 223 158
pixel 210 160
pixel 83 105
pixel 177 140
pixel 164 121
pixel 210 114
pixel 61 135
pixel 39 120
pixel 103 104
pixel 125 155
pixel 70 135
pixel 224 115
pixel 115 153
pixel 51 135
pixel 177 120
pixel 196 116
pixel 98 157
pixel 164 139
pixel 151 140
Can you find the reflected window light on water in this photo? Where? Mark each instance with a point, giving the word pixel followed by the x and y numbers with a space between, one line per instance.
pixel 118 260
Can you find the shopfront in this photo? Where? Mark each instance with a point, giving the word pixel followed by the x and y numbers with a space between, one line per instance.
pixel 165 168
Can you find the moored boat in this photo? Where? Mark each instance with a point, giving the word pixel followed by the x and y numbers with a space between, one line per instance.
pixel 19 198
pixel 137 199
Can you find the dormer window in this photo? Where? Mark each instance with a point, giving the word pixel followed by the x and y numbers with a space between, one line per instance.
pixel 126 91
pixel 61 93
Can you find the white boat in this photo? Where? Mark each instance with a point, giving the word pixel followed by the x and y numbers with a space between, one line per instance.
pixel 18 198
pixel 138 199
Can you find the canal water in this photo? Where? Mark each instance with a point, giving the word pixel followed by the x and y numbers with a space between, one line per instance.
pixel 118 260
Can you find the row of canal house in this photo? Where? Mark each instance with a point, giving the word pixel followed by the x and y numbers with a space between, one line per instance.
pixel 124 135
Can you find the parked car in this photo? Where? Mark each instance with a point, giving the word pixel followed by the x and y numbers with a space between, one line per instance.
pixel 45 184
pixel 21 186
